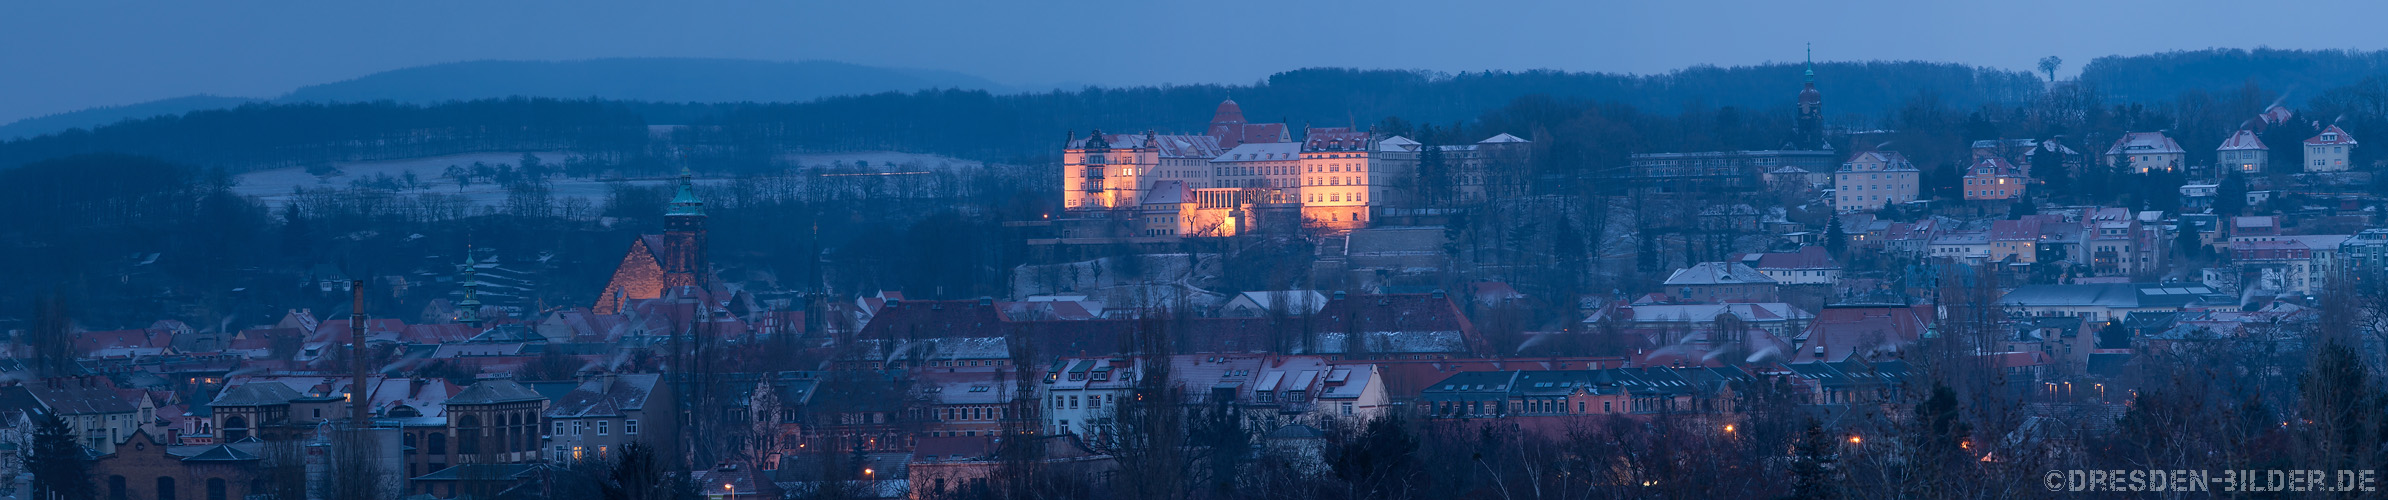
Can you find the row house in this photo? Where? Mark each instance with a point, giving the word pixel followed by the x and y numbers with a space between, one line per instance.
pixel 97 414
pixel 2119 242
pixel 1972 246
pixel 1082 394
pixel 1851 382
pixel 607 412
pixel 966 404
pixel 1272 392
pixel 1564 393
pixel 2286 264
pixel 2363 258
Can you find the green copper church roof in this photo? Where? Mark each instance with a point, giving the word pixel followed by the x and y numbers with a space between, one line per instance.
pixel 685 202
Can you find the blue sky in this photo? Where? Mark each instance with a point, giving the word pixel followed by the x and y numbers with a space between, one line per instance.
pixel 64 56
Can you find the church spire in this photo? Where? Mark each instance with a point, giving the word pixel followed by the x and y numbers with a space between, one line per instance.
pixel 1811 62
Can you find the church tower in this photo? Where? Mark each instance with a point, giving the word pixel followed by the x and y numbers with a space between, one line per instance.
pixel 1811 111
pixel 683 236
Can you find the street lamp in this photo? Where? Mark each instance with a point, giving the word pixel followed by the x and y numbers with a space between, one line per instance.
pixel 1853 439
pixel 730 491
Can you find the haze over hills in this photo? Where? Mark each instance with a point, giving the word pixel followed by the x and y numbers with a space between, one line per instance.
pixel 640 79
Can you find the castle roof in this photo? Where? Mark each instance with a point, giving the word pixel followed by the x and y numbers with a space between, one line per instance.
pixel 1228 112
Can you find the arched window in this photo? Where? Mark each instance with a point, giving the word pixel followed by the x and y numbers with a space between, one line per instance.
pixel 439 443
pixel 235 428
pixel 165 488
pixel 409 441
pixel 215 488
pixel 468 434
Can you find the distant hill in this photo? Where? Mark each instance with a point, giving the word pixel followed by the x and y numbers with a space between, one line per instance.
pixel 662 80
pixel 646 79
pixel 94 117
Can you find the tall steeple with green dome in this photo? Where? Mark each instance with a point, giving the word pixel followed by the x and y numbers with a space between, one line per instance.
pixel 1810 133
pixel 685 202
pixel 683 252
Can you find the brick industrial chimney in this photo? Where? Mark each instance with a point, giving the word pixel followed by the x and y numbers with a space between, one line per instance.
pixel 356 357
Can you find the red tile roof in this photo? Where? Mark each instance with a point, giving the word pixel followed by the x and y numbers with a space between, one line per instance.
pixel 2243 141
pixel 2341 137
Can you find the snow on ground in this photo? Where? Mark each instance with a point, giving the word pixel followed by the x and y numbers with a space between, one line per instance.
pixel 274 186
pixel 879 159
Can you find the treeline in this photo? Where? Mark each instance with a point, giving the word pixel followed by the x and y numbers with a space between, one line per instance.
pixel 261 136
pixel 981 125
pixel 975 124
pixel 2299 73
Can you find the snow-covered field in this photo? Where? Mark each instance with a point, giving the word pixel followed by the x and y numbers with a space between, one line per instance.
pixel 274 186
pixel 879 159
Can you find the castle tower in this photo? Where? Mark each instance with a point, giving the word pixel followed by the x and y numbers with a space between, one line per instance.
pixel 684 236
pixel 1810 134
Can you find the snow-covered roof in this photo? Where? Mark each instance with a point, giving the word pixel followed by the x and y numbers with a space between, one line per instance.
pixel 2245 140
pixel 2332 135
pixel 1501 139
pixel 1262 151
pixel 2144 143
pixel 1712 273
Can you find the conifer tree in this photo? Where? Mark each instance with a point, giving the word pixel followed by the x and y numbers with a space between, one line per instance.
pixel 58 466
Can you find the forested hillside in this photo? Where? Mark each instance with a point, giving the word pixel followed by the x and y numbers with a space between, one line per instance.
pixel 257 136
pixel 2298 74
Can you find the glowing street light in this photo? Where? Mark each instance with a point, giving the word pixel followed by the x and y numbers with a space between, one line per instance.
pixel 1854 440
pixel 1728 428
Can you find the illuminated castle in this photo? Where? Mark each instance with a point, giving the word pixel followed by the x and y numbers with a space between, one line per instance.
pixel 1239 177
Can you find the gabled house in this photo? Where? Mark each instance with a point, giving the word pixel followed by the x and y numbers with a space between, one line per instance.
pixel 1993 179
pixel 2140 152
pixel 2243 152
pixel 2328 151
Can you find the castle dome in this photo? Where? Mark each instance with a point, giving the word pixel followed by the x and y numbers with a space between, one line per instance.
pixel 1228 113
